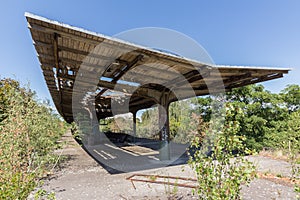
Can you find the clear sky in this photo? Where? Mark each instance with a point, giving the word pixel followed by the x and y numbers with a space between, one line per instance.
pixel 252 33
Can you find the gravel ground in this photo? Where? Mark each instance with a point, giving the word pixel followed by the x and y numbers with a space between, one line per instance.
pixel 80 177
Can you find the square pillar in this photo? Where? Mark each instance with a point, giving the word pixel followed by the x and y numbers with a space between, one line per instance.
pixel 134 125
pixel 164 134
pixel 94 136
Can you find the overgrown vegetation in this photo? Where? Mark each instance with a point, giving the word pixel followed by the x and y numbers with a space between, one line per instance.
pixel 218 161
pixel 29 131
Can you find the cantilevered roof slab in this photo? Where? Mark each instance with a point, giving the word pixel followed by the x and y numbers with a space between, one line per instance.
pixel 123 72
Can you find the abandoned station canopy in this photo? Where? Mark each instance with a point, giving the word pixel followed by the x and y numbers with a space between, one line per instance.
pixel 136 74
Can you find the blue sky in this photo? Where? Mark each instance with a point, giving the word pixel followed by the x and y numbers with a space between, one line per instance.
pixel 252 33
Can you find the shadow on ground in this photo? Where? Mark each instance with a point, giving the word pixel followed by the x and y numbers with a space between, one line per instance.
pixel 124 153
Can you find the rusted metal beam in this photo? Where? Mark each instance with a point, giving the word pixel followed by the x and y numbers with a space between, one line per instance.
pixel 153 179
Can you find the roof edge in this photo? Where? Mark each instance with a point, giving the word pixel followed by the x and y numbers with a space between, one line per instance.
pixel 37 17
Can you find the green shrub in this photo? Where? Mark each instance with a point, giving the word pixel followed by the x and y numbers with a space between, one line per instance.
pixel 218 161
pixel 28 134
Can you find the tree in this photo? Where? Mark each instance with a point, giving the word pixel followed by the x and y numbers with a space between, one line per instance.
pixel 291 95
pixel 262 112
pixel 180 121
pixel 202 106
pixel 148 126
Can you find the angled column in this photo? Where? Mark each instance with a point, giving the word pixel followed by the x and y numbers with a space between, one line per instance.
pixel 94 136
pixel 164 134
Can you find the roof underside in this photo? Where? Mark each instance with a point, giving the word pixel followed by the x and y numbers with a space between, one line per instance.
pixel 110 71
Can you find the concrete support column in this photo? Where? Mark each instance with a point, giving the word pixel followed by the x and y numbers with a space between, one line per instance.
pixel 134 125
pixel 94 136
pixel 164 134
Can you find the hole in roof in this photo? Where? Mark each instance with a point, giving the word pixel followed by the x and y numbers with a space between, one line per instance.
pixel 103 78
pixel 70 72
pixel 113 93
pixel 129 83
pixel 55 78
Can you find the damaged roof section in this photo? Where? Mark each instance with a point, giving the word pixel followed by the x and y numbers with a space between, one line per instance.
pixel 106 71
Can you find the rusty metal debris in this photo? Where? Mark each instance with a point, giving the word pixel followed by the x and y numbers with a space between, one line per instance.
pixel 166 180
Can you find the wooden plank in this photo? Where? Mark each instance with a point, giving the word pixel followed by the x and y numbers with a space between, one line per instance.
pixel 155 56
pixel 74 50
pixel 256 80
